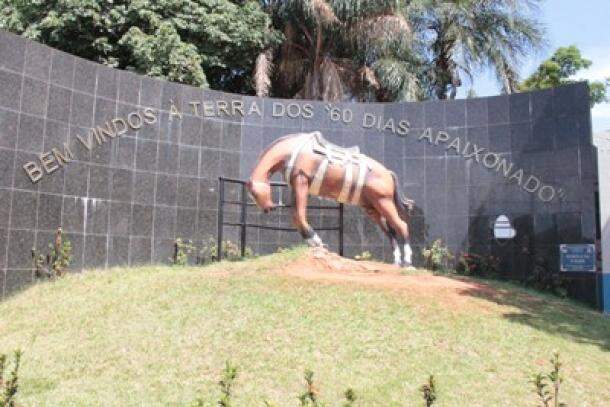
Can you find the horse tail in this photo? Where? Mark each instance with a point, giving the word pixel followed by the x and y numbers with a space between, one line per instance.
pixel 403 204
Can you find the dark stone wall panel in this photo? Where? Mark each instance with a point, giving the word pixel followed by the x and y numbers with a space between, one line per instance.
pixel 123 199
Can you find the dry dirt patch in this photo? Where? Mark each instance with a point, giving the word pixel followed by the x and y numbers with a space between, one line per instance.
pixel 458 294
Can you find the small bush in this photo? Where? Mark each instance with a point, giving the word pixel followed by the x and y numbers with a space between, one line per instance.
pixel 182 250
pixel 429 391
pixel 226 384
pixel 471 264
pixel 544 278
pixel 437 257
pixel 57 259
pixel 230 251
pixel 350 398
pixel 553 380
pixel 9 385
pixel 310 396
pixel 364 256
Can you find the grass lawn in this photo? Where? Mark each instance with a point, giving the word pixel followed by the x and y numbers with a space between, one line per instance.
pixel 161 336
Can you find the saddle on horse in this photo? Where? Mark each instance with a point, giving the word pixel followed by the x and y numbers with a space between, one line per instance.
pixel 345 157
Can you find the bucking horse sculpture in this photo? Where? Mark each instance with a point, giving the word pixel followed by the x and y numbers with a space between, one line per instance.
pixel 312 165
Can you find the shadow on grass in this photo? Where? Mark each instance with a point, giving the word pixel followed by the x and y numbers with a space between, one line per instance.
pixel 545 312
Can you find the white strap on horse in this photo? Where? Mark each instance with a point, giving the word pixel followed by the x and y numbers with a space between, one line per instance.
pixel 345 157
pixel 314 189
pixel 293 158
pixel 347 183
pixel 360 183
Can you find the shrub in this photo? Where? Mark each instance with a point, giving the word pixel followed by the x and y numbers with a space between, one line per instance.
pixel 310 396
pixel 365 255
pixel 555 378
pixel 9 385
pixel 471 264
pixel 543 278
pixel 437 256
pixel 226 384
pixel 182 250
pixel 429 391
pixel 350 397
pixel 57 259
pixel 230 251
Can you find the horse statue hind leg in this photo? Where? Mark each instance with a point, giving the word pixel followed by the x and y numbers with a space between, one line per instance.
pixel 313 166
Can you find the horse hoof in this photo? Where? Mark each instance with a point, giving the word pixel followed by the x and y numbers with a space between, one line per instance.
pixel 408 267
pixel 314 241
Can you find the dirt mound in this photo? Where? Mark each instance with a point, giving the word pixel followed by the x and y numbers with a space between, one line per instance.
pixel 455 292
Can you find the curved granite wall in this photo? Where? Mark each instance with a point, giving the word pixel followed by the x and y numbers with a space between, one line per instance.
pixel 147 172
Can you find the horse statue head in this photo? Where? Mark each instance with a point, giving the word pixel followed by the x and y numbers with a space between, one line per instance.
pixel 261 193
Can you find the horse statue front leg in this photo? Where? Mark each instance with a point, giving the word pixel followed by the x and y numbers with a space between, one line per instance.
pixel 300 189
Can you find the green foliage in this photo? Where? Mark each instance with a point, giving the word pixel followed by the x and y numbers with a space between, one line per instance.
pixel 198 42
pixel 226 384
pixel 544 277
pixel 548 385
pixel 394 50
pixel 458 38
pixel 310 396
pixel 230 251
pixel 364 256
pixel 429 391
pixel 182 250
pixel 559 70
pixel 9 385
pixel 57 259
pixel 437 257
pixel 350 397
pixel 599 91
pixel 382 50
pixel 163 54
pixel 338 50
pixel 471 264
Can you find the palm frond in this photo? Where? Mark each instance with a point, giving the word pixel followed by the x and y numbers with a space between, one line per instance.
pixel 324 12
pixel 367 77
pixel 332 86
pixel 262 73
pixel 397 78
pixel 381 27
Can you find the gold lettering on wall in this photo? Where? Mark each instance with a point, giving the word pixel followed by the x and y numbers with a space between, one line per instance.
pixel 48 162
pixel 56 158
pixel 33 171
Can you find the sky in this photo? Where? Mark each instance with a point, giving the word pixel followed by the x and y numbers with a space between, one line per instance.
pixel 584 23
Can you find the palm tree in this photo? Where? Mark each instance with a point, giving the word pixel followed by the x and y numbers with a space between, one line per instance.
pixel 340 50
pixel 466 35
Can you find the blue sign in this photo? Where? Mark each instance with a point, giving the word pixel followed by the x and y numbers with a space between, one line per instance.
pixel 577 257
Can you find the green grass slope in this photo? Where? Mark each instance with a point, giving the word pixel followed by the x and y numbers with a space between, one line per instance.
pixel 161 335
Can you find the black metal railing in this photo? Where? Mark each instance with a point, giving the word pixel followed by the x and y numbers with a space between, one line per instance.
pixel 244 203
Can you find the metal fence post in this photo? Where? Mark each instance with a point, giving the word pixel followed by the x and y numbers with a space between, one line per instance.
pixel 243 217
pixel 341 229
pixel 221 199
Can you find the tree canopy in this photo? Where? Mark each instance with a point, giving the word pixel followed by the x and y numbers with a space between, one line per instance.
pixel 340 49
pixel 365 50
pixel 394 50
pixel 560 69
pixel 198 42
pixel 461 37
